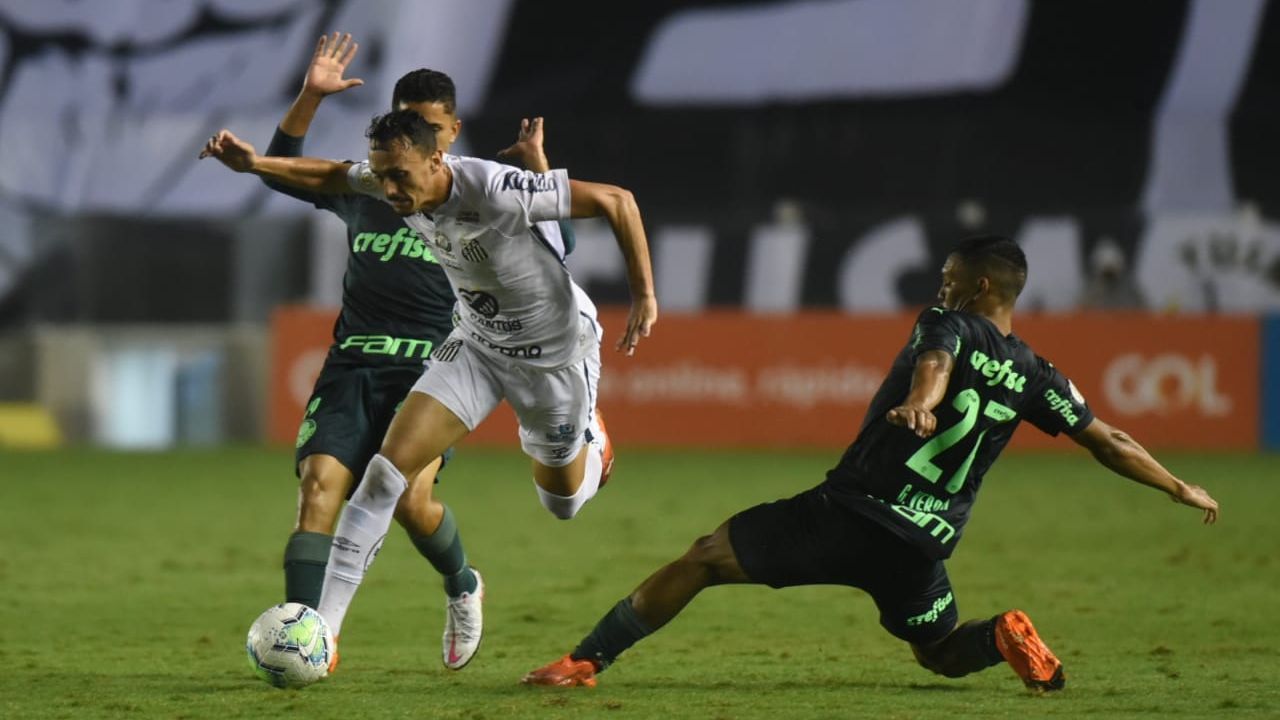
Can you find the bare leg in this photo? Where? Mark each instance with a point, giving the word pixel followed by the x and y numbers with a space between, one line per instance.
pixel 323 488
pixel 710 561
pixel 321 492
pixel 418 511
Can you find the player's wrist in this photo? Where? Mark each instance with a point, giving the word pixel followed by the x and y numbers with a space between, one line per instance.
pixel 311 95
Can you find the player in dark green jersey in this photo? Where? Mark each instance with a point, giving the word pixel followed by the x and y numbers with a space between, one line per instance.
pixel 895 505
pixel 396 306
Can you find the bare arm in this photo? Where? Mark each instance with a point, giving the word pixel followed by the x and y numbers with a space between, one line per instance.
pixel 928 385
pixel 618 206
pixel 314 174
pixel 324 78
pixel 1121 454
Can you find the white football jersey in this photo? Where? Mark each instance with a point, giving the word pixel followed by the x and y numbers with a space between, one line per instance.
pixel 515 296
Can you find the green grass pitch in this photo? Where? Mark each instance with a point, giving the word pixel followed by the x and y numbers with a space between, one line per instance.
pixel 128 581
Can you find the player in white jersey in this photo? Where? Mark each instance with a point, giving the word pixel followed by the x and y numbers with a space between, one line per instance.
pixel 362 391
pixel 432 94
pixel 526 332
pixel 516 300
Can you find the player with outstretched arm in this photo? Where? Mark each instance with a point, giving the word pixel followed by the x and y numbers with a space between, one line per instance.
pixel 396 306
pixel 893 509
pixel 526 332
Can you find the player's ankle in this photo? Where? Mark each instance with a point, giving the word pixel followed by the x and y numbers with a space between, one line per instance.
pixel 461 582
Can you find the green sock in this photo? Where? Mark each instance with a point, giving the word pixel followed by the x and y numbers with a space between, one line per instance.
pixel 618 630
pixel 443 549
pixel 305 557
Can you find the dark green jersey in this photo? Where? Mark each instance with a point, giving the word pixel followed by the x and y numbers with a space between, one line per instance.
pixel 923 488
pixel 396 300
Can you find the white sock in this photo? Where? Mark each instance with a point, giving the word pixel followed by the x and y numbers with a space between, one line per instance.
pixel 358 538
pixel 566 507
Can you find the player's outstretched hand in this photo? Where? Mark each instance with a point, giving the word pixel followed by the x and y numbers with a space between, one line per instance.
pixel 527 149
pixel 230 151
pixel 333 55
pixel 1197 497
pixel 917 418
pixel 644 313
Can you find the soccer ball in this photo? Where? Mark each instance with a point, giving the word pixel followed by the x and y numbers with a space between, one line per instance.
pixel 290 645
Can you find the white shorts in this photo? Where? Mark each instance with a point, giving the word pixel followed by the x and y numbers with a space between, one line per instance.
pixel 552 406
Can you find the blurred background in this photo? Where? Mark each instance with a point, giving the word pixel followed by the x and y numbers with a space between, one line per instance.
pixel 802 168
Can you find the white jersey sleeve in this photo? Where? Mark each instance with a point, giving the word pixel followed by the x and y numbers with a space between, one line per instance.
pixel 361 180
pixel 536 196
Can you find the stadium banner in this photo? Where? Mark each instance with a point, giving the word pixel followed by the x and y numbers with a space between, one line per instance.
pixel 733 379
pixel 1270 382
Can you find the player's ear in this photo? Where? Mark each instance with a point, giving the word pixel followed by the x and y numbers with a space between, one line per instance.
pixel 984 287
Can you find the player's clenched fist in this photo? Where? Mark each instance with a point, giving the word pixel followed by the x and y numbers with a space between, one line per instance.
pixel 915 418
pixel 230 151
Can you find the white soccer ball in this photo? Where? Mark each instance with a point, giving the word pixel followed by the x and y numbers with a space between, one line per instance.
pixel 290 645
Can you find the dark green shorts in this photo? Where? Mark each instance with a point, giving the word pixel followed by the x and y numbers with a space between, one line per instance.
pixel 350 410
pixel 810 540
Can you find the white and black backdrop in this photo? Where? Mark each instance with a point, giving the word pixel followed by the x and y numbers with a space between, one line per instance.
pixel 785 154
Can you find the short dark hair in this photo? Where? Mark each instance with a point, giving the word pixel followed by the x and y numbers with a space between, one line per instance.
pixel 996 257
pixel 423 85
pixel 404 125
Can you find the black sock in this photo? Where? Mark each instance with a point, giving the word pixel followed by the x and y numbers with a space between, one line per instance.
pixel 968 649
pixel 988 642
pixel 443 549
pixel 618 630
pixel 305 557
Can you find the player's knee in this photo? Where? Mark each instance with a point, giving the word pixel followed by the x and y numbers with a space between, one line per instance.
pixel 317 489
pixel 383 480
pixel 708 554
pixel 320 495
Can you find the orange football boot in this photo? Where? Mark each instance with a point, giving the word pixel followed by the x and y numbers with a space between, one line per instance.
pixel 565 672
pixel 1026 653
pixel 333 656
